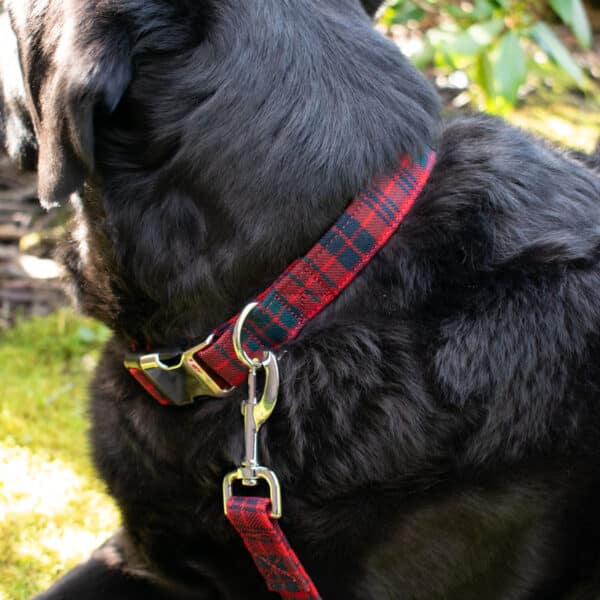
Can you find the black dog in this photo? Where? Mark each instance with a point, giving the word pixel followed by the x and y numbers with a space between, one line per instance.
pixel 438 429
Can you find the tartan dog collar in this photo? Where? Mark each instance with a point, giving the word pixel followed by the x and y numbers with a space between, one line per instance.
pixel 301 292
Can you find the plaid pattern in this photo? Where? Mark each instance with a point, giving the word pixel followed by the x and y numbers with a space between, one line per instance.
pixel 311 283
pixel 275 559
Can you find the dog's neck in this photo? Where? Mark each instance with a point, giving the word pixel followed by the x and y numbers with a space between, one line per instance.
pixel 240 153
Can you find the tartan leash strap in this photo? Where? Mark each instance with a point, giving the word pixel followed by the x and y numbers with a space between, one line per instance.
pixel 302 291
pixel 275 559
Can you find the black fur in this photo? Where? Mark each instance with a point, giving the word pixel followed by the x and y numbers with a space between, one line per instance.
pixel 437 430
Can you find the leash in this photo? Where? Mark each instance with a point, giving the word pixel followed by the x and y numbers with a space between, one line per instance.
pixel 244 347
pixel 272 554
pixel 255 519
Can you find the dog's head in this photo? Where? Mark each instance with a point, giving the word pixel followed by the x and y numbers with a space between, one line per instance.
pixel 76 60
pixel 203 128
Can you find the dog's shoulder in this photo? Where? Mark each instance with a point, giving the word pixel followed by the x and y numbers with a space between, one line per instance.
pixel 505 197
pixel 499 266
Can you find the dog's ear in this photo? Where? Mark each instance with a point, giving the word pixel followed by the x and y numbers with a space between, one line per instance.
pixel 76 62
pixel 372 6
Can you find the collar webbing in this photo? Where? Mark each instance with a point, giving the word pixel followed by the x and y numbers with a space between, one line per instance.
pixel 312 282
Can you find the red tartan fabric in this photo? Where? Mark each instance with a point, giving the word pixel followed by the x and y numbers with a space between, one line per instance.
pixel 141 378
pixel 275 559
pixel 312 282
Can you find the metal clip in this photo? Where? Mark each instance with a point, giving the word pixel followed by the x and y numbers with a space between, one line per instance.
pixel 256 412
pixel 178 376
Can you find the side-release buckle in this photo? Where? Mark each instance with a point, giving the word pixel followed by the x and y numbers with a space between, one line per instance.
pixel 176 377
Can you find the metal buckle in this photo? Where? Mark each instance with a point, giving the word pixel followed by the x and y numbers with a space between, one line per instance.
pixel 162 369
pixel 255 412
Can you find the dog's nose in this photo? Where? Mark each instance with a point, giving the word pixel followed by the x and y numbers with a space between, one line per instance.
pixel 16 129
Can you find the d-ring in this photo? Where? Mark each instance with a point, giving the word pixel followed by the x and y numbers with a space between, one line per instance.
pixel 251 363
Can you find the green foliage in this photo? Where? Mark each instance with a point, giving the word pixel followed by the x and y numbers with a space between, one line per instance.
pixel 494 41
pixel 53 511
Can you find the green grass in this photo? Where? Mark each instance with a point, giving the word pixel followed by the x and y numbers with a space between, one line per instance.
pixel 53 510
pixel 558 112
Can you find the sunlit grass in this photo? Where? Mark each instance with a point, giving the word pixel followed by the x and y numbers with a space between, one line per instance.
pixel 557 111
pixel 563 123
pixel 53 511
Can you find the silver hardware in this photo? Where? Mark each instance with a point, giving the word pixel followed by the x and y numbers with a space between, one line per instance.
pixel 251 363
pixel 160 368
pixel 205 383
pixel 256 412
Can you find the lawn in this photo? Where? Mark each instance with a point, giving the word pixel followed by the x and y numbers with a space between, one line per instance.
pixel 53 510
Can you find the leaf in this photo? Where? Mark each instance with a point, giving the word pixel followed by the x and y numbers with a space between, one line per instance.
pixel 402 12
pixel 467 43
pixel 581 24
pixel 509 67
pixel 555 49
pixel 463 44
pixel 484 33
pixel 564 9
pixel 573 13
pixel 483 9
pixel 485 75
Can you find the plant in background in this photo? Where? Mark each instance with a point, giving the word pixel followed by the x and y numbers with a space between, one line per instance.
pixel 493 41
